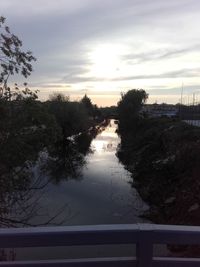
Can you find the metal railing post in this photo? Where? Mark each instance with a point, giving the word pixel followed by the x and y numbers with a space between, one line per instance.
pixel 144 247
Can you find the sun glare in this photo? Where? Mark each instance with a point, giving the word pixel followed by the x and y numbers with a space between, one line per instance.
pixel 105 61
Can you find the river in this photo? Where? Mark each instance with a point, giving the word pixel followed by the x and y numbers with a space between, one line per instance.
pixel 101 195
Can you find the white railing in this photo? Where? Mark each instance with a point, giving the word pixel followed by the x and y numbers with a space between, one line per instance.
pixel 143 235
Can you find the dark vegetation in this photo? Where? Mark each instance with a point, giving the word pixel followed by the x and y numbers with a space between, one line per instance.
pixel 29 127
pixel 163 155
pixel 109 112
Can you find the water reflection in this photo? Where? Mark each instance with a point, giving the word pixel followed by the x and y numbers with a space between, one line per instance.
pixel 67 159
pixel 64 163
pixel 46 191
pixel 23 188
pixel 106 141
pixel 103 194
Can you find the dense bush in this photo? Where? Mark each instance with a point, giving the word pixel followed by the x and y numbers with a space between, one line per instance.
pixel 163 156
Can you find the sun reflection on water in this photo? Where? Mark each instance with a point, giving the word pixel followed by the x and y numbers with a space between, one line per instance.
pixel 106 141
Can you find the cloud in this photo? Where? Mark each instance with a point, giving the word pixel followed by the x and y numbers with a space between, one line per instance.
pixel 189 73
pixel 159 54
pixel 47 86
pixel 187 90
pixel 61 34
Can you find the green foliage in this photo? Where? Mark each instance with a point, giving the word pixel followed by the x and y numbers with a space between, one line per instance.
pixel 58 97
pixel 26 128
pixel 163 155
pixel 72 117
pixel 129 107
pixel 109 112
pixel 24 125
pixel 12 58
pixel 86 101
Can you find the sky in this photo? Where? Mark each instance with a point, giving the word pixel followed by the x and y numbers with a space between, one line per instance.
pixel 105 47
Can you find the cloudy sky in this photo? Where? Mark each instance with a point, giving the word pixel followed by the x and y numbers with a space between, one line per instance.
pixel 104 47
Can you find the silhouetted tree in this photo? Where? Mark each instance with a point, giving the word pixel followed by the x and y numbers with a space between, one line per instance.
pixel 70 116
pixel 12 58
pixel 87 103
pixel 58 97
pixel 130 105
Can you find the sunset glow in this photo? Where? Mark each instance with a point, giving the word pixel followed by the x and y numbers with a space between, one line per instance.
pixel 105 47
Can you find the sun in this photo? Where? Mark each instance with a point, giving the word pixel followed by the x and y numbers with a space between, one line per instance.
pixel 105 61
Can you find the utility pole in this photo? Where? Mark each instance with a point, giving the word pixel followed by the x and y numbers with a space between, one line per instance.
pixel 193 99
pixel 193 117
pixel 182 94
pixel 180 111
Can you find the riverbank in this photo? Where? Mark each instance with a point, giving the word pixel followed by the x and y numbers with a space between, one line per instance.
pixel 163 156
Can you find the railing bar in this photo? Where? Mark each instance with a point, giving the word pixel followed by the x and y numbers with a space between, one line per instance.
pixel 73 235
pixel 88 228
pixel 177 234
pixel 144 235
pixel 107 228
pixel 176 262
pixel 177 228
pixel 65 239
pixel 97 262
pixel 77 235
pixel 65 236
pixel 176 237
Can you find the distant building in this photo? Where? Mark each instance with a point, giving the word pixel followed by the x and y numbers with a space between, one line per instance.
pixel 160 110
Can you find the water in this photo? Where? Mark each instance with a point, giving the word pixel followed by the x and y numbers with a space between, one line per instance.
pixel 101 195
